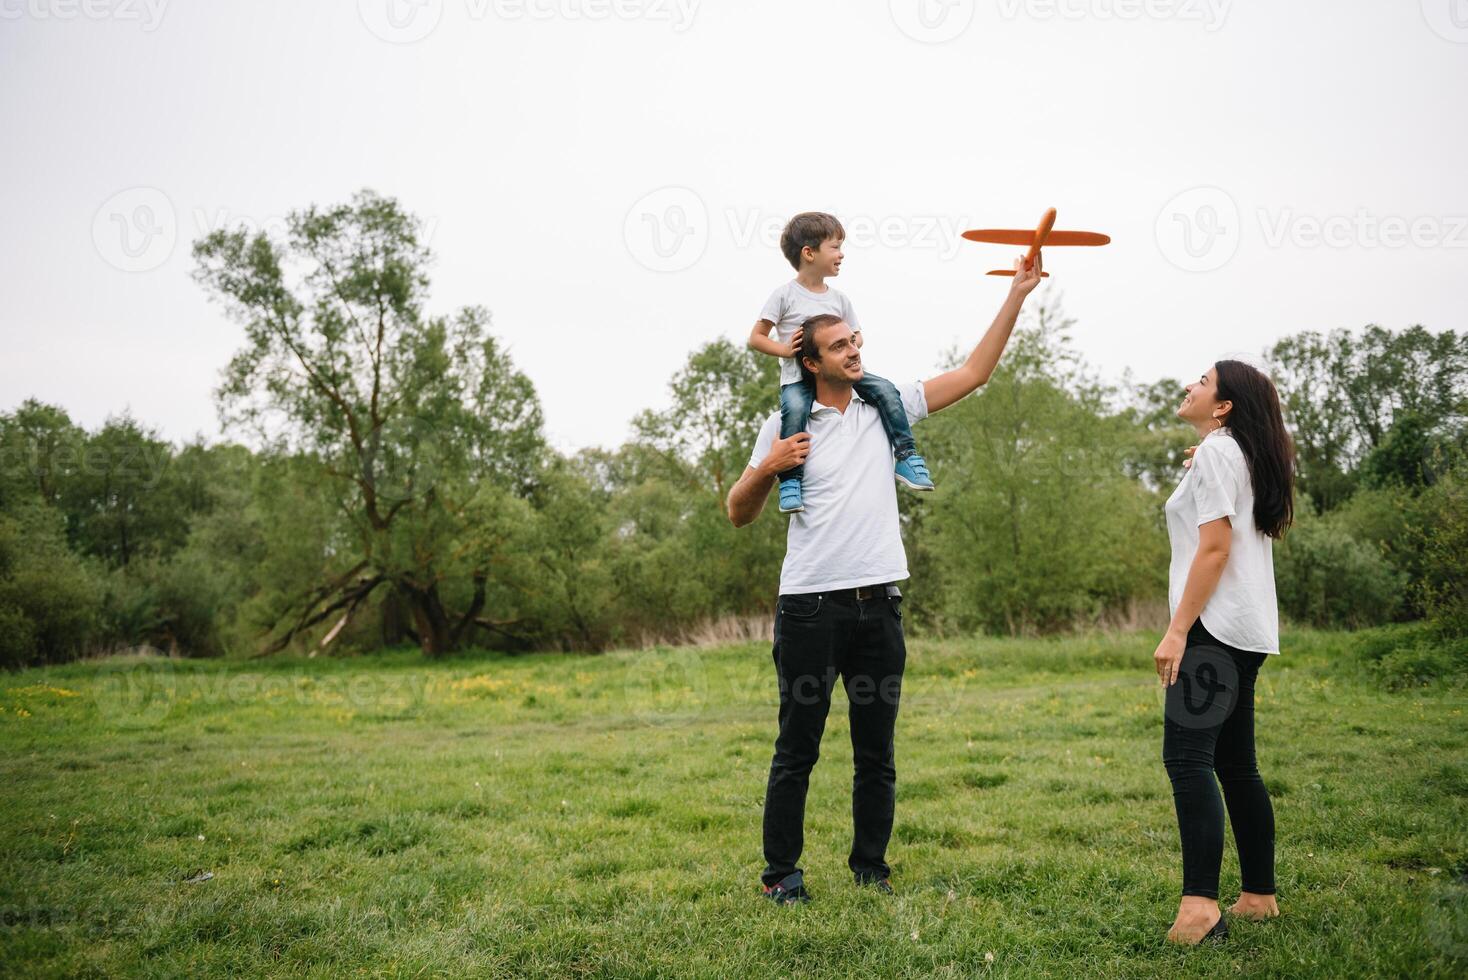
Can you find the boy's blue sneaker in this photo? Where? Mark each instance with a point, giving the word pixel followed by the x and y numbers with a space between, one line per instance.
pixel 790 502
pixel 912 473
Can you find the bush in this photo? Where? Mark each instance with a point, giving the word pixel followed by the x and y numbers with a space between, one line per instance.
pixel 1325 577
pixel 1412 655
pixel 1443 533
pixel 48 597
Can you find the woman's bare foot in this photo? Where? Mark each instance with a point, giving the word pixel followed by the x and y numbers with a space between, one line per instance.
pixel 1254 907
pixel 1195 916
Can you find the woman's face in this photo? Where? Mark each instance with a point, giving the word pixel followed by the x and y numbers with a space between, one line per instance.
pixel 1200 403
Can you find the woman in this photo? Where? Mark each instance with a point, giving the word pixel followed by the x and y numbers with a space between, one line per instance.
pixel 1236 496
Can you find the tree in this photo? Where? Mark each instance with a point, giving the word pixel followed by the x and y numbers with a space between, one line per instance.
pixel 1344 392
pixel 40 449
pixel 120 500
pixel 720 400
pixel 404 415
pixel 1037 524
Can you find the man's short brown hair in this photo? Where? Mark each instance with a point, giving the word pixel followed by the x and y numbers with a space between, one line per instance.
pixel 808 346
pixel 808 228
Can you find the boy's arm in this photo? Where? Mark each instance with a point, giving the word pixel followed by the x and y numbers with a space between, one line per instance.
pixel 849 315
pixel 950 386
pixel 760 340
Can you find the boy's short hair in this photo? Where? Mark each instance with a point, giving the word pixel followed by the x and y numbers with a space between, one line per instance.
pixel 808 228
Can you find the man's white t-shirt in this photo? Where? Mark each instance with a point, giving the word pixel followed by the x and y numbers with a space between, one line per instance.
pixel 1242 611
pixel 791 305
pixel 848 534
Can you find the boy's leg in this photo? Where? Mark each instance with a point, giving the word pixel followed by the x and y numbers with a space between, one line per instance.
pixel 795 403
pixel 883 395
pixel 911 469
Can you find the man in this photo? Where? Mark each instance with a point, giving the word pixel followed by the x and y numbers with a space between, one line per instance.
pixel 839 607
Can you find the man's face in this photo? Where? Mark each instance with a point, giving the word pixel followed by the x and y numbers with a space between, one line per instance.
pixel 840 361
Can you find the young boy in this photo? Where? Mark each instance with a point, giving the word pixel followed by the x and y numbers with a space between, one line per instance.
pixel 812 244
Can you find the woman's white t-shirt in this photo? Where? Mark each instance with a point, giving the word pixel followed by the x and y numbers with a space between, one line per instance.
pixel 1242 612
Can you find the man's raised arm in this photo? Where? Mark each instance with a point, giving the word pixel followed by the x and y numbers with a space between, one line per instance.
pixel 747 497
pixel 951 386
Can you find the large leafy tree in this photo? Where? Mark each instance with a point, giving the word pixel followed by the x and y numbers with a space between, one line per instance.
pixel 1037 524
pixel 408 418
pixel 1344 393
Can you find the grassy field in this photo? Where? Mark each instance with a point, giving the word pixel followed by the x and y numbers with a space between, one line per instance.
pixel 600 816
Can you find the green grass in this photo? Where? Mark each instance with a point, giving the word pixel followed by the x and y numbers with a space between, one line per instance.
pixel 600 816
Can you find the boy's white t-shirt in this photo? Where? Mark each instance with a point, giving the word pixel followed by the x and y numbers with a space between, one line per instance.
pixel 1242 611
pixel 791 305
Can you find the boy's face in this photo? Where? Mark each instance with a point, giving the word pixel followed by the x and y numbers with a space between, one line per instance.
pixel 825 261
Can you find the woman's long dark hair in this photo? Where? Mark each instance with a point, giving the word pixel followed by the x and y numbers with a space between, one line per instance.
pixel 1258 427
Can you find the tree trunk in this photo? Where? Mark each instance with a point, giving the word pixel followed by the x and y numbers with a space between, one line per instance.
pixel 435 635
pixel 395 626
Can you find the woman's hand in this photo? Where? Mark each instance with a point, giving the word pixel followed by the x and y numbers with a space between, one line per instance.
pixel 1169 656
pixel 1189 454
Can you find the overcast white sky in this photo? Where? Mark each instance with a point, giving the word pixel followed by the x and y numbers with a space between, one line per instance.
pixel 606 176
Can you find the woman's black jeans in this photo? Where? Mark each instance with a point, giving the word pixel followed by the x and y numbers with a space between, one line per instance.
pixel 819 637
pixel 1208 730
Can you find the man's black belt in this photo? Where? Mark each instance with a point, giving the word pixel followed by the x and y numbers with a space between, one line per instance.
pixel 864 592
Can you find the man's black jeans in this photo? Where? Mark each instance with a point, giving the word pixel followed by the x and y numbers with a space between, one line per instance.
pixel 817 638
pixel 1208 729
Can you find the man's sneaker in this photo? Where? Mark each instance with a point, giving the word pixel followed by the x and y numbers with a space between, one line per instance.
pixel 882 885
pixel 790 502
pixel 912 473
pixel 789 890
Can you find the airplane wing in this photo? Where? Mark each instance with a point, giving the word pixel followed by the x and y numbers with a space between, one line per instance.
pixel 1001 236
pixel 1017 236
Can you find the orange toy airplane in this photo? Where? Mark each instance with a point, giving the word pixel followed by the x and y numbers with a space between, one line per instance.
pixel 1043 235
